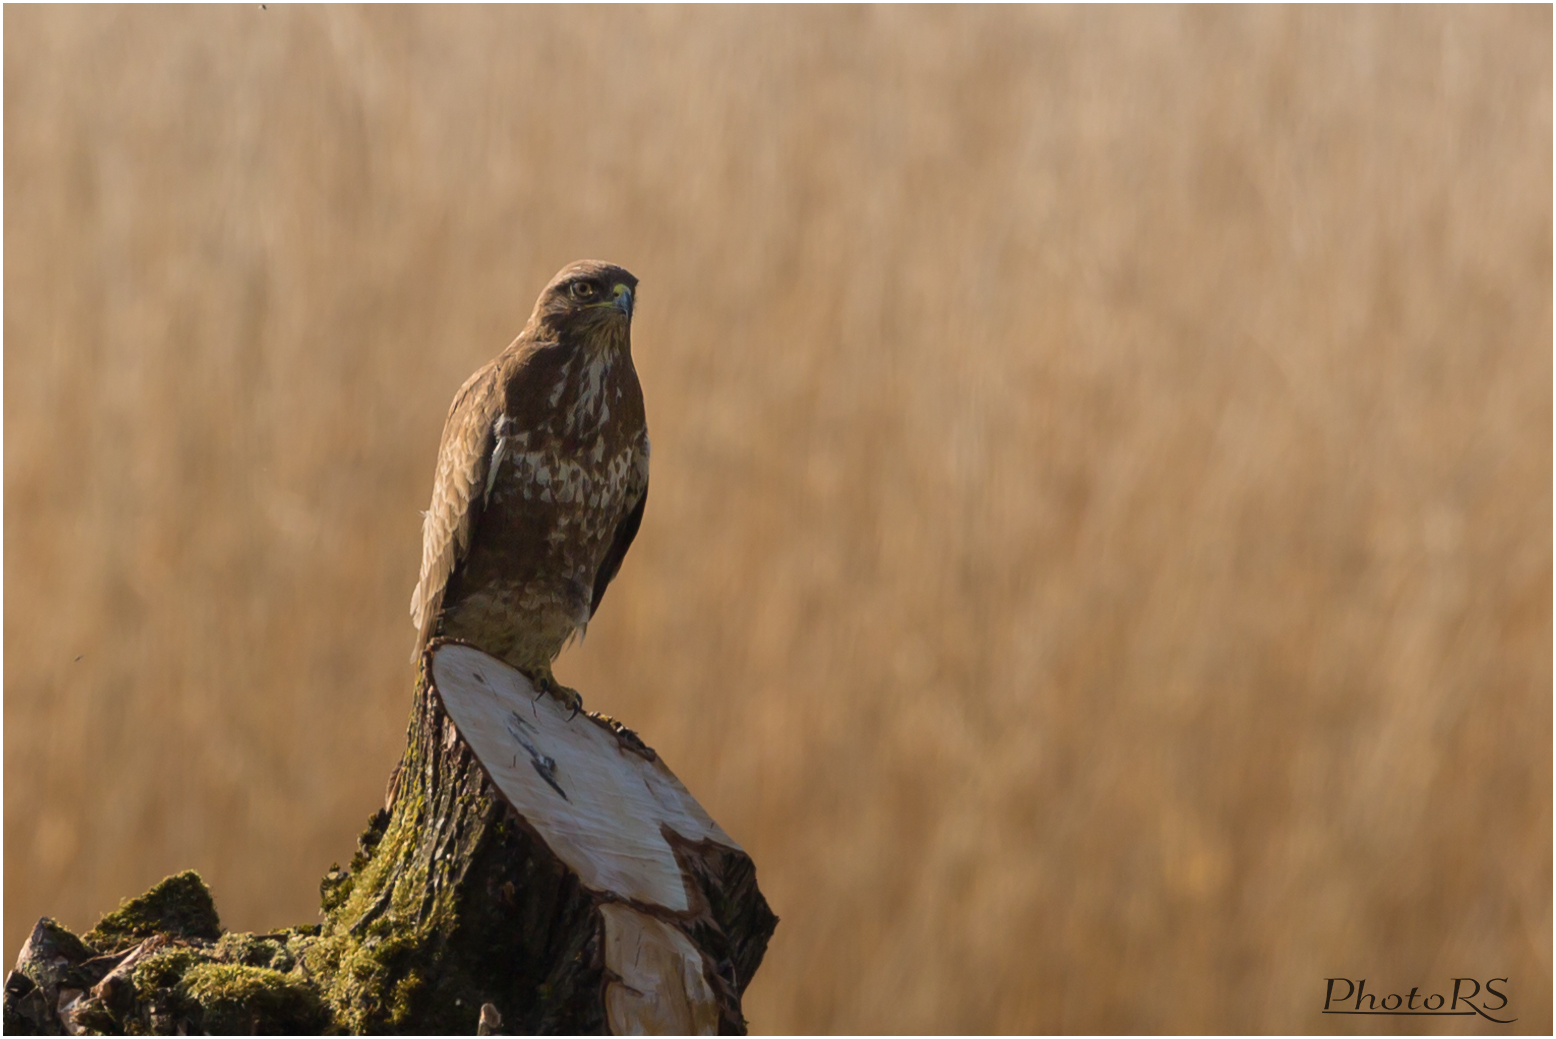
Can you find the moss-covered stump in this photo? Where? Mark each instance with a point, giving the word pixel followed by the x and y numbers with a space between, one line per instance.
pixel 532 872
pixel 525 855
pixel 159 965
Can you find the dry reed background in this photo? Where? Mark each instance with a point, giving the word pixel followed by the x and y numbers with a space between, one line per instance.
pixel 1099 558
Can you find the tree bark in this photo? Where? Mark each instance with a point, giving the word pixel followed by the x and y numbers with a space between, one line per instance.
pixel 531 873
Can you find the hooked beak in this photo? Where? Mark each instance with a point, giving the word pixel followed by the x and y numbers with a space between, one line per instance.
pixel 623 299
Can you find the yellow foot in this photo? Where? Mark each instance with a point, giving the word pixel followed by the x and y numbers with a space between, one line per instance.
pixel 545 682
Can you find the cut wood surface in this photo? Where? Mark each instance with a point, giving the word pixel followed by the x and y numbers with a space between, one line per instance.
pixel 598 797
pixel 609 809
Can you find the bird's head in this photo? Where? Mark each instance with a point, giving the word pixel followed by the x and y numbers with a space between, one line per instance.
pixel 591 298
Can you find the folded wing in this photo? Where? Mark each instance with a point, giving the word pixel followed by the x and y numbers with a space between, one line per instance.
pixel 457 493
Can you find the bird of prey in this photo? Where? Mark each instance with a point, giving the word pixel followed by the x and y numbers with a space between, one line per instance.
pixel 541 480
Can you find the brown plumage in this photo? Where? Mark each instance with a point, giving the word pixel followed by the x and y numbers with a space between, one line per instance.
pixel 541 481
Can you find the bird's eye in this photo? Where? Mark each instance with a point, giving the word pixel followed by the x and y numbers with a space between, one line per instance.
pixel 583 290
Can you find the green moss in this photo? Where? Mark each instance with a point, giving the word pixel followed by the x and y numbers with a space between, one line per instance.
pixel 335 888
pixel 180 906
pixel 388 915
pixel 402 1002
pixel 251 951
pixel 227 989
pixel 371 983
pixel 369 839
pixel 158 988
pixel 235 999
pixel 164 969
pixel 373 953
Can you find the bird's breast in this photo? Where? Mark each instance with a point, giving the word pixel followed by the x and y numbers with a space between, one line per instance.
pixel 599 476
pixel 588 448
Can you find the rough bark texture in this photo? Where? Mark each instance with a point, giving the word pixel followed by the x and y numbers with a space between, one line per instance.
pixel 453 916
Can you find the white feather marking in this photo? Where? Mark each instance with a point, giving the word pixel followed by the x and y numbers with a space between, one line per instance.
pixel 491 474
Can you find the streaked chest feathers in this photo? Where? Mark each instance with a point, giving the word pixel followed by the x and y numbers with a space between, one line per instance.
pixel 582 465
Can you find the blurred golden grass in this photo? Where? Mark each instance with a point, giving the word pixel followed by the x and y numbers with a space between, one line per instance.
pixel 1099 557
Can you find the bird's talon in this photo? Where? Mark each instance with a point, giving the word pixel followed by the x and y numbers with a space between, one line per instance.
pixel 570 699
pixel 544 684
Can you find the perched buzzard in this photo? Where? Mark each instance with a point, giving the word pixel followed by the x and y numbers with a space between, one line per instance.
pixel 542 476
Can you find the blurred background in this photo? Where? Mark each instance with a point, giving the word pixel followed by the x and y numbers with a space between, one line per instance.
pixel 1099 556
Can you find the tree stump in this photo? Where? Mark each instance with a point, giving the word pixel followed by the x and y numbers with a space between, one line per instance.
pixel 531 873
